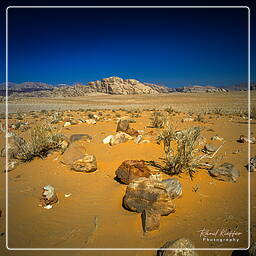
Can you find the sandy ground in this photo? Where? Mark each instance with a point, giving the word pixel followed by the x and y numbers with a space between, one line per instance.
pixel 93 216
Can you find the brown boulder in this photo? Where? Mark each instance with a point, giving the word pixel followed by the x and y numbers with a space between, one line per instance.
pixel 150 220
pixel 146 194
pixel 72 153
pixel 122 125
pixel 132 169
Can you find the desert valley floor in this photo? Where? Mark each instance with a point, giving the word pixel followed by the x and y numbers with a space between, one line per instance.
pixel 92 216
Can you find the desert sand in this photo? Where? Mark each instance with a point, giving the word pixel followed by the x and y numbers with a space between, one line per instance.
pixel 93 215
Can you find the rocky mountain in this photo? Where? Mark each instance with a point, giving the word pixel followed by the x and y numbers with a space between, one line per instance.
pixel 110 85
pixel 199 88
pixel 26 86
pixel 240 87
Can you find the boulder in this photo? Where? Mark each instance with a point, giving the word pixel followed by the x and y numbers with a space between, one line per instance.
pixel 173 187
pixel 49 196
pixel 132 132
pixel 72 153
pixel 120 137
pixel 122 125
pixel 226 172
pixel 132 169
pixel 85 164
pixel 77 137
pixel 209 148
pixel 179 243
pixel 244 139
pixel 107 139
pixel 150 220
pixel 145 194
pixel 252 165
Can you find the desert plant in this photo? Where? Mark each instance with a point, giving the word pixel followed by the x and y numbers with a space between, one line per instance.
pixel 42 140
pixel 158 120
pixel 253 112
pixel 199 118
pixel 218 111
pixel 169 110
pixel 180 150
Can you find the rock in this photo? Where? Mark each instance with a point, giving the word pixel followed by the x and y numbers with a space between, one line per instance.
pixel 252 165
pixel 107 139
pixel 145 141
pixel 145 194
pixel 210 148
pixel 67 124
pixel 226 172
pixel 90 121
pixel 77 137
pixel 150 220
pixel 120 137
pixel 132 132
pixel 86 164
pixel 217 138
pixel 244 139
pixel 187 119
pixel 132 169
pixel 73 152
pixel 12 165
pixel 122 125
pixel 75 121
pixel 179 243
pixel 138 139
pixel 174 187
pixel 49 196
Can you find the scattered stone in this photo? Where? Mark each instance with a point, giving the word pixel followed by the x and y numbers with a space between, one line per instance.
pixel 86 164
pixel 73 152
pixel 122 125
pixel 132 169
pixel 49 196
pixel 209 148
pixel 67 124
pixel 244 139
pixel 179 243
pixel 252 165
pixel 90 121
pixel 107 139
pixel 138 139
pixel 187 119
pixel 217 138
pixel 150 220
pixel 12 165
pixel 145 194
pixel 174 187
pixel 120 137
pixel 226 172
pixel 132 132
pixel 145 141
pixel 77 137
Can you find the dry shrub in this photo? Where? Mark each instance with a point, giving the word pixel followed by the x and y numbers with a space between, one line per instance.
pixel 180 150
pixel 158 120
pixel 41 141
pixel 253 112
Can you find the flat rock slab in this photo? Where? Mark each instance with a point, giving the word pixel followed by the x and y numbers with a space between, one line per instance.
pixel 77 137
pixel 225 172
pixel 85 164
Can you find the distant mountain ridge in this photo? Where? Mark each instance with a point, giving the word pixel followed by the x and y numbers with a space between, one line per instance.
pixel 111 85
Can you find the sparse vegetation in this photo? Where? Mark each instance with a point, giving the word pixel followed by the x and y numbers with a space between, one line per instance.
pixel 42 140
pixel 180 150
pixel 158 120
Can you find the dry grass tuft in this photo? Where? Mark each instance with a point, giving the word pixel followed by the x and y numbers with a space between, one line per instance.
pixel 180 150
pixel 42 140
pixel 158 120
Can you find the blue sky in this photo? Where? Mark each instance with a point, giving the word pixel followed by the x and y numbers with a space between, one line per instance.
pixel 173 47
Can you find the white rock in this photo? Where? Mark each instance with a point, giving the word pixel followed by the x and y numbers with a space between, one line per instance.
pixel 67 124
pixel 48 207
pixel 138 139
pixel 107 139
pixel 90 121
